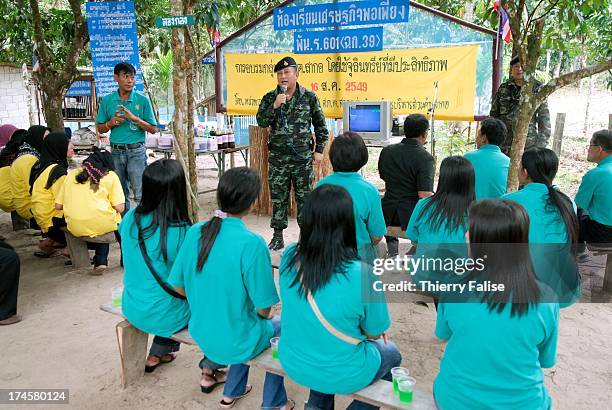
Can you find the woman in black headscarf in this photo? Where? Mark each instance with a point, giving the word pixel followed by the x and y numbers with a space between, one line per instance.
pixel 9 152
pixel 33 142
pixel 46 179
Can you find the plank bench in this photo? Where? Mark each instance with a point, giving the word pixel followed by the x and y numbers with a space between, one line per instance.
pixel 133 353
pixel 77 246
pixel 600 250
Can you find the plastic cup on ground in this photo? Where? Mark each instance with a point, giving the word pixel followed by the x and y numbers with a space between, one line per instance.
pixel 406 389
pixel 274 343
pixel 116 295
pixel 396 373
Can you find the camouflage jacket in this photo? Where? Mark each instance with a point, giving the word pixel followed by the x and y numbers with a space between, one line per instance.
pixel 505 107
pixel 291 131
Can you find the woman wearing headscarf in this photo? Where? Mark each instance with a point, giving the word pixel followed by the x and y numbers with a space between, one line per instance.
pixel 6 158
pixel 47 178
pixel 6 131
pixel 27 155
pixel 92 200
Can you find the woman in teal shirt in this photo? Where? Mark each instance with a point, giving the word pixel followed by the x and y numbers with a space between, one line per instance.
pixel 553 225
pixel 151 236
pixel 439 222
pixel 497 348
pixel 348 154
pixel 323 270
pixel 224 269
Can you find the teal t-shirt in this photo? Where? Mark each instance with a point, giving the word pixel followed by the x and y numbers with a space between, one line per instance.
pixel 145 303
pixel 491 171
pixel 309 353
pixel 595 192
pixel 492 360
pixel 224 295
pixel 420 231
pixel 127 132
pixel 369 219
pixel 545 222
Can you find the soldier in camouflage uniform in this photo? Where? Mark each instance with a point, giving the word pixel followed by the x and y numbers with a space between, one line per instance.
pixel 505 107
pixel 289 110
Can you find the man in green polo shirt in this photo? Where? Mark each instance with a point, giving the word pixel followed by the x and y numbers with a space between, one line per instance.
pixel 594 197
pixel 128 115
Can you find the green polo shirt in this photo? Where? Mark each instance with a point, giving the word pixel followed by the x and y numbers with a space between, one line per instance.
pixel 491 171
pixel 127 132
pixel 595 192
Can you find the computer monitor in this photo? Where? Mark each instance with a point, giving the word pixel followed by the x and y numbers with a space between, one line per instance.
pixel 370 119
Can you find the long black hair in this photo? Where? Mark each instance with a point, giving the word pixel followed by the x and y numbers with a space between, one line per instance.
pixel 327 238
pixel 54 151
pixel 499 235
pixel 238 189
pixel 541 165
pixel 454 195
pixel 95 167
pixel 164 196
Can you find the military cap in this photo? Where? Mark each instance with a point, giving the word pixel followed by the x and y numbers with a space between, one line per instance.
pixel 284 63
pixel 515 60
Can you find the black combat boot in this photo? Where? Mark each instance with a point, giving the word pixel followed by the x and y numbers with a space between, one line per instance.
pixel 277 241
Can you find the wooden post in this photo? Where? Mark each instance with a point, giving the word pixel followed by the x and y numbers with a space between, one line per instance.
pixel 133 352
pixel 607 285
pixel 558 135
pixel 610 122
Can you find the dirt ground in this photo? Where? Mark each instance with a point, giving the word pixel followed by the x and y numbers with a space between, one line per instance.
pixel 65 341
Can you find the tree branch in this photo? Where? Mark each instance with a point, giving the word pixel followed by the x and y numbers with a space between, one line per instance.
pixel 44 55
pixel 532 13
pixel 80 38
pixel 547 11
pixel 569 78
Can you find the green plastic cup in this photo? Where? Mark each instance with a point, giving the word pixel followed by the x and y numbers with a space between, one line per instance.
pixel 396 373
pixel 116 295
pixel 274 343
pixel 406 389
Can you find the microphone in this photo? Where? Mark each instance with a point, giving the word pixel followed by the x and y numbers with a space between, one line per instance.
pixel 281 114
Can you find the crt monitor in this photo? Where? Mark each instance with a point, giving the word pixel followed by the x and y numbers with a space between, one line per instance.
pixel 370 119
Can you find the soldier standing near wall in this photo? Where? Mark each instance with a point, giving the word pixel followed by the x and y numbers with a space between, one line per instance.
pixel 290 110
pixel 505 107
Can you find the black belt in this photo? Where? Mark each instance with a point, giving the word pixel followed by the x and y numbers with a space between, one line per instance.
pixel 126 146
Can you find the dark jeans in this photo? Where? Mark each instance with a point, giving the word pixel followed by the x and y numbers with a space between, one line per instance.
pixel 129 166
pixel 9 280
pixel 101 255
pixel 390 357
pixel 592 231
pixel 55 231
pixel 162 346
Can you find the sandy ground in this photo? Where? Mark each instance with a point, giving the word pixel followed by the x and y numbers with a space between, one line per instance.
pixel 65 341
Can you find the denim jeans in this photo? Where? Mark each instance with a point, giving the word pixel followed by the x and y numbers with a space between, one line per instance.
pixel 274 394
pixel 390 357
pixel 101 255
pixel 129 166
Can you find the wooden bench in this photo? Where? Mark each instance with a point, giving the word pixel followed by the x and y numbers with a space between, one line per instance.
pixel 600 250
pixel 133 352
pixel 396 231
pixel 77 246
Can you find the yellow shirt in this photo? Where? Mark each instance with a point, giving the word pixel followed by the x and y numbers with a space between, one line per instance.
pixel 90 213
pixel 43 200
pixel 20 183
pixel 6 191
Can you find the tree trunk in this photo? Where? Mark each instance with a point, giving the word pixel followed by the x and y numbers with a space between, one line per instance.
pixel 585 129
pixel 526 111
pixel 52 108
pixel 559 65
pixel 193 175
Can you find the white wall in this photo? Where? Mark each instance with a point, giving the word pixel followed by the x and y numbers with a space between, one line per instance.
pixel 13 108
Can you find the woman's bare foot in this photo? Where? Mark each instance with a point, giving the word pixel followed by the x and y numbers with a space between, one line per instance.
pixel 155 360
pixel 212 378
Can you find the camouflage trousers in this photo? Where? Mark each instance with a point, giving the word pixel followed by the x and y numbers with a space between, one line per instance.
pixel 283 172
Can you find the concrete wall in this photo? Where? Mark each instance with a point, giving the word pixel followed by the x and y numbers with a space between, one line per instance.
pixel 13 108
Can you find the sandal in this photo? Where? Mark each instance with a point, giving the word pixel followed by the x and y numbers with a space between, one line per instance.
pixel 216 373
pixel 150 369
pixel 228 405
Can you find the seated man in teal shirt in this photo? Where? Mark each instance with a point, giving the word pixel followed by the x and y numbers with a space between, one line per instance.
pixel 594 197
pixel 127 114
pixel 490 164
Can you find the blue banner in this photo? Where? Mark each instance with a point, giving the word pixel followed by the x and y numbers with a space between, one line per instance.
pixel 341 14
pixel 79 88
pixel 338 41
pixel 113 39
